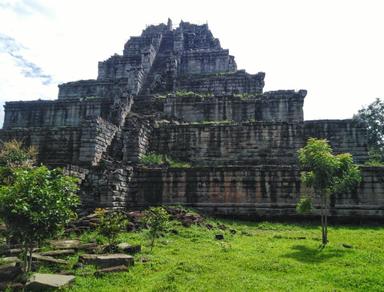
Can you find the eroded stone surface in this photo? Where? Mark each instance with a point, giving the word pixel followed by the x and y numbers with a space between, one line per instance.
pixel 65 243
pixel 43 282
pixel 107 260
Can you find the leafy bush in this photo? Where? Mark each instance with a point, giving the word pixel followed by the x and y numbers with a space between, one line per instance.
pixel 157 221
pixel 13 155
pixel 304 205
pixel 37 205
pixel 372 118
pixel 111 223
pixel 375 158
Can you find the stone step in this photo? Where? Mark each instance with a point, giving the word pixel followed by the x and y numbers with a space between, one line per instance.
pixel 107 260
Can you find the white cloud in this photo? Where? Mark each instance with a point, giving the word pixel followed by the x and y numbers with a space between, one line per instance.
pixel 332 48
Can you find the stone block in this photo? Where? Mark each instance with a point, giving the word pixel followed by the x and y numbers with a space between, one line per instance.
pixel 107 260
pixel 45 282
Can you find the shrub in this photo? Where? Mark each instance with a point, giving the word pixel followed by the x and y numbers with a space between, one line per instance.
pixel 304 205
pixel 157 221
pixel 37 205
pixel 13 156
pixel 111 223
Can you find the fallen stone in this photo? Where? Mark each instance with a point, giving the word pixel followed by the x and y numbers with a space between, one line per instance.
pixel 107 260
pixel 48 259
pixel 59 252
pixel 10 271
pixel 88 246
pixel 127 248
pixel 43 282
pixel 115 269
pixel 10 260
pixel 65 244
pixel 219 236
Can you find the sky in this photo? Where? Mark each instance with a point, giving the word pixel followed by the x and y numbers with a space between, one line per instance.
pixel 332 48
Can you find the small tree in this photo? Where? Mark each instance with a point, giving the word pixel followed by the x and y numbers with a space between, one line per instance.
pixel 111 223
pixel 36 205
pixel 157 220
pixel 326 174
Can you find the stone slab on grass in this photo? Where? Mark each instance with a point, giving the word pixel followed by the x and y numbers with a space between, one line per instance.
pixel 65 244
pixel 48 259
pixel 59 252
pixel 115 269
pixel 44 282
pixel 107 260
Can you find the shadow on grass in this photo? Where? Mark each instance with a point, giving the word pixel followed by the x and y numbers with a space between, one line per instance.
pixel 307 254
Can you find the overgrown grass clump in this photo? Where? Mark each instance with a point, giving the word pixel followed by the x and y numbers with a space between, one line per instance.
pixel 156 159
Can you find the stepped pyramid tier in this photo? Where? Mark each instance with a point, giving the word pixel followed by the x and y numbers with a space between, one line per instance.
pixel 177 92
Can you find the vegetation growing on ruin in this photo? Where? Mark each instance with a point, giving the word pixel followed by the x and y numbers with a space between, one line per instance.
pixel 245 95
pixel 221 122
pixel 157 159
pixel 185 93
pixel 372 118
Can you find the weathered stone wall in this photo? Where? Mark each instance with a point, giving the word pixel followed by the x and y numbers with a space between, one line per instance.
pixel 261 191
pixel 95 88
pixel 255 143
pixel 236 144
pixel 233 83
pixel 343 135
pixel 56 146
pixel 285 106
pixel 54 113
pixel 96 136
pixel 206 62
pixel 107 186
pixel 83 145
pixel 132 140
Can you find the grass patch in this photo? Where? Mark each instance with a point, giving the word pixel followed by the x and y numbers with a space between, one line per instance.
pixel 221 122
pixel 259 257
pixel 160 159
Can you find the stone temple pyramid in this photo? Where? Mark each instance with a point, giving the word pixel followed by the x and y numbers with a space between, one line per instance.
pixel 176 92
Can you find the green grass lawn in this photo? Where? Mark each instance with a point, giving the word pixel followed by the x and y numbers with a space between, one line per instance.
pixel 259 257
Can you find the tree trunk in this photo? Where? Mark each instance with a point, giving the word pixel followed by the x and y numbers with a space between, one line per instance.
pixel 25 258
pixel 30 258
pixel 324 219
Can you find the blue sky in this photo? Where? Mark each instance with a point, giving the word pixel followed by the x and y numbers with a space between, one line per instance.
pixel 334 49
